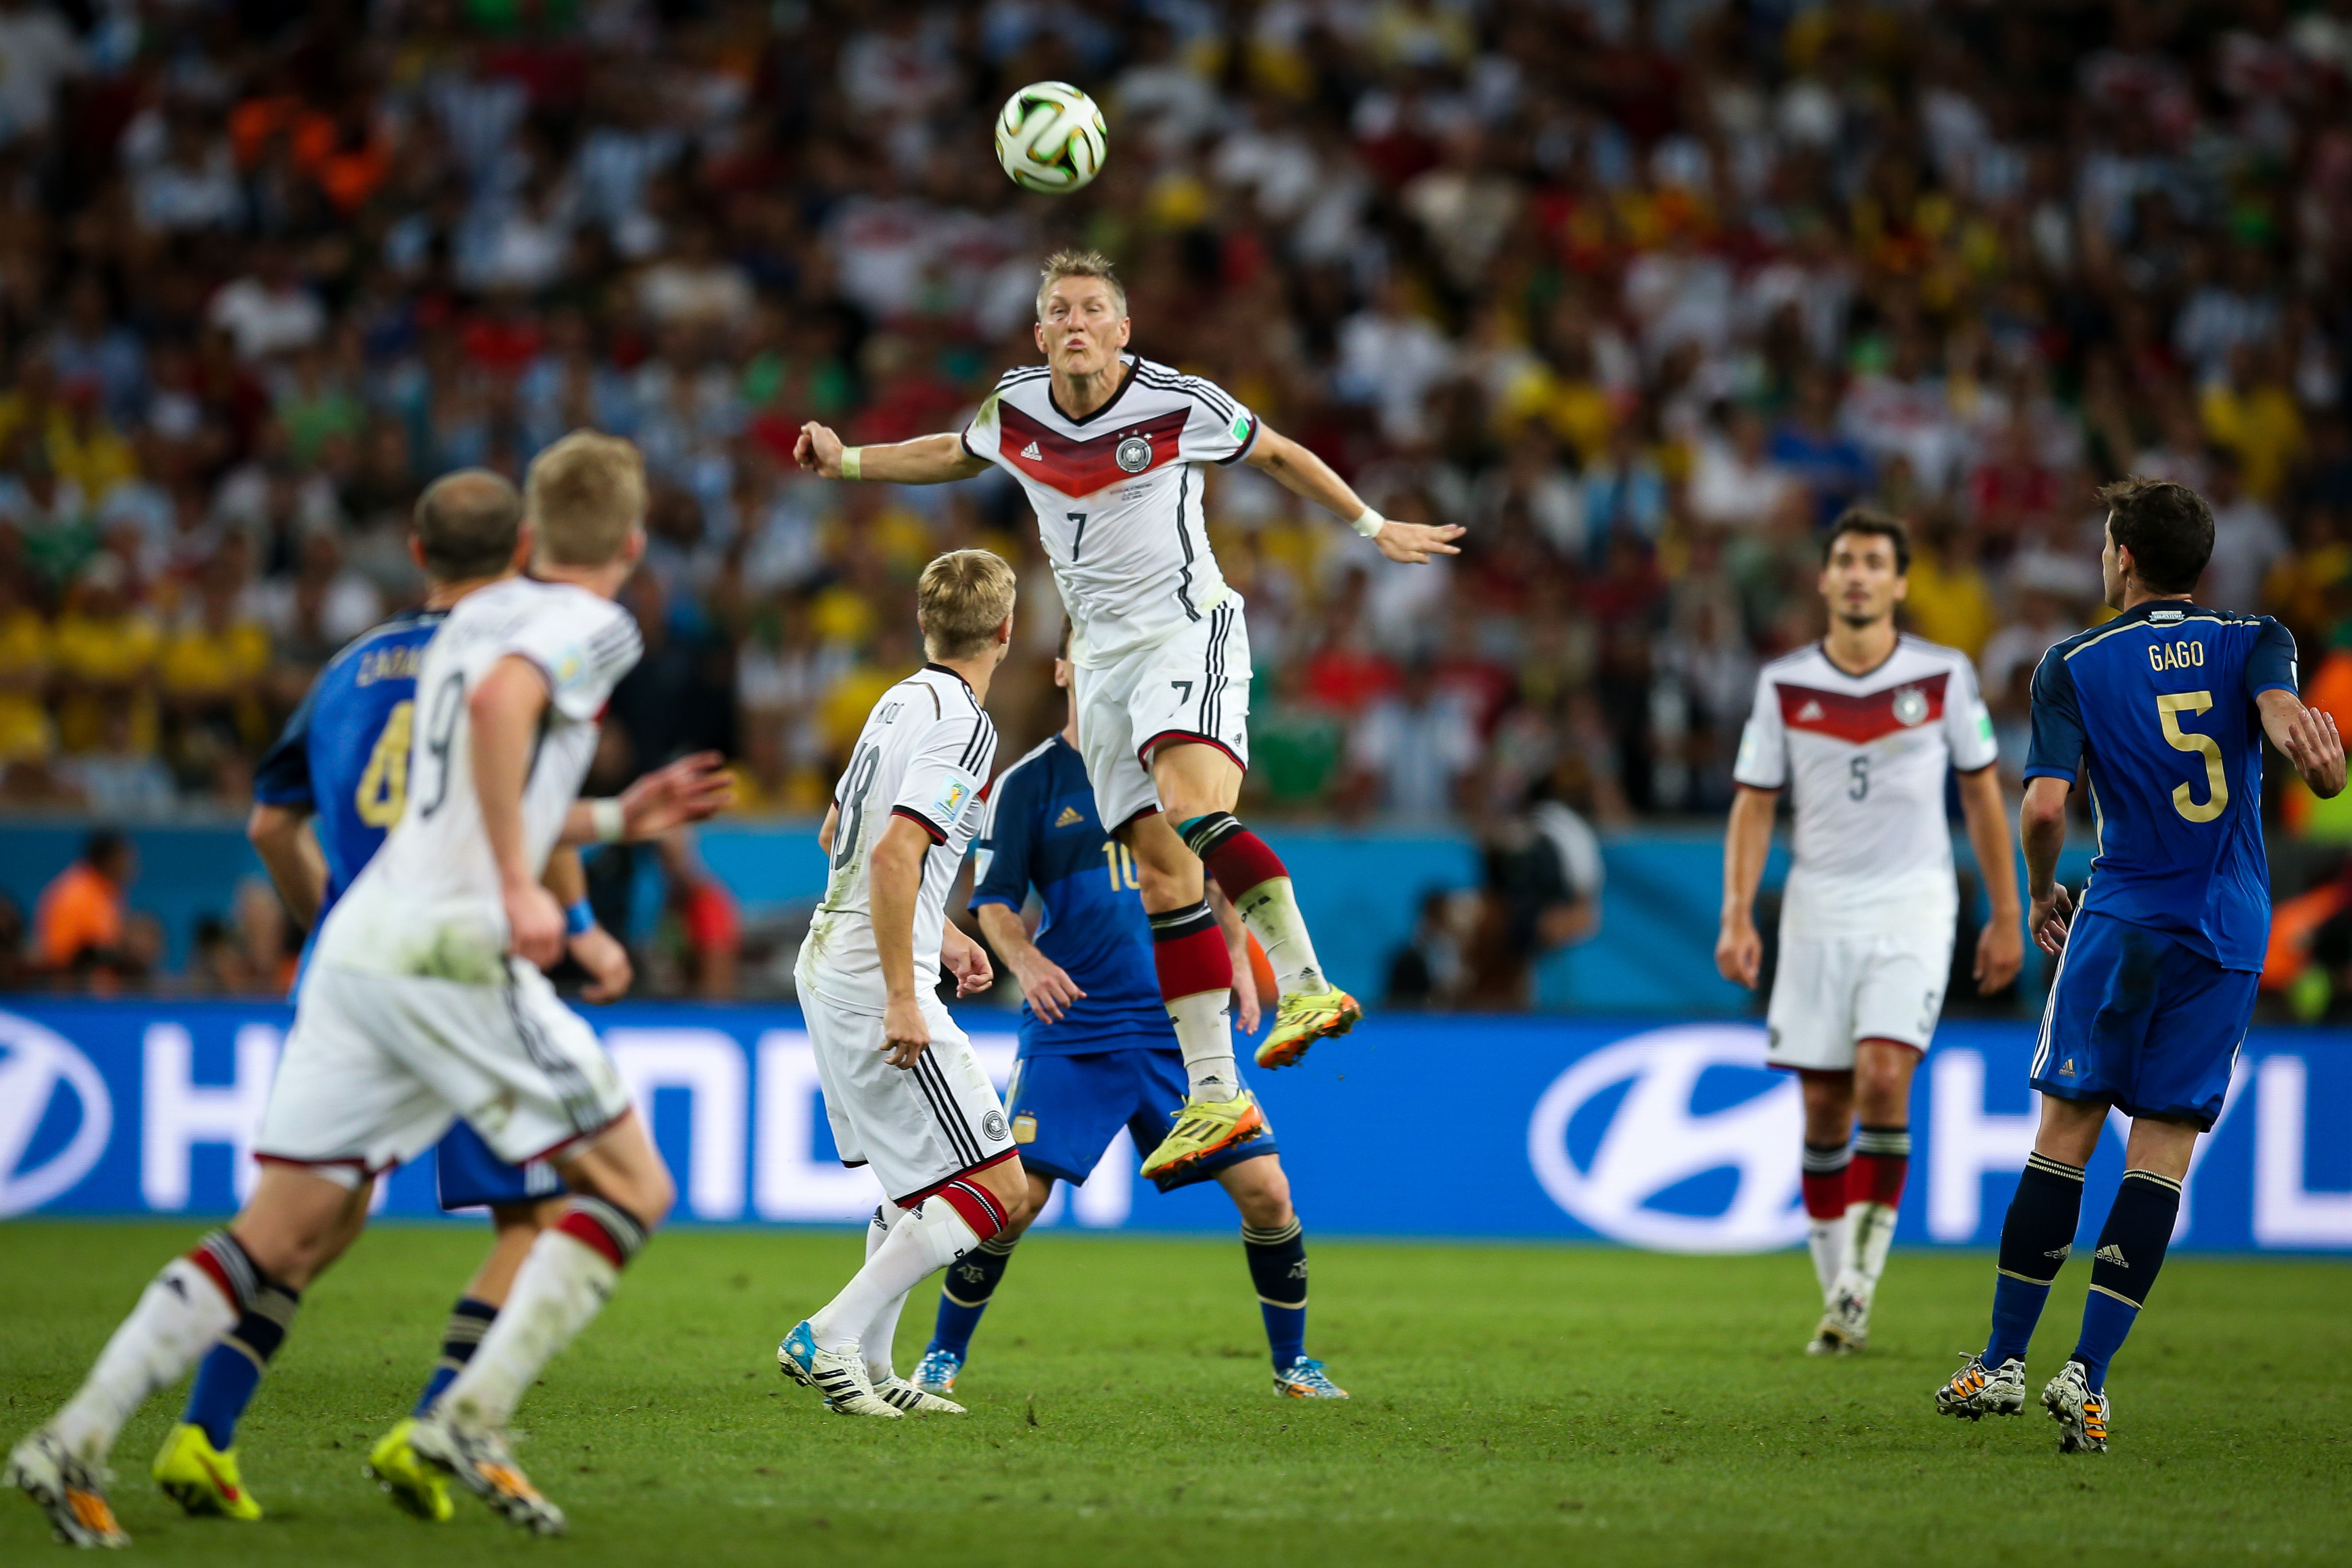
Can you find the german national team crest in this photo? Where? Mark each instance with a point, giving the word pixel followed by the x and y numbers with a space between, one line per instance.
pixel 993 1126
pixel 1910 707
pixel 1134 455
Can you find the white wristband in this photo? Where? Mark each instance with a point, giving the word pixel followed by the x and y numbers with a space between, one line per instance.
pixel 611 823
pixel 1370 524
pixel 853 462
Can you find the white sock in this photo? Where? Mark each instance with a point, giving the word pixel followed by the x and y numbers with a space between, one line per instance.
pixel 875 1340
pixel 1873 1233
pixel 178 1317
pixel 1826 1239
pixel 1204 1035
pixel 562 1285
pixel 927 1240
pixel 1271 912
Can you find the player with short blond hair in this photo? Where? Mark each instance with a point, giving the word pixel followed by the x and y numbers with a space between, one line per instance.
pixel 1113 452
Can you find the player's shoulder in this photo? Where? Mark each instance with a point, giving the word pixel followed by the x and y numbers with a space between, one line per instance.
pixel 1805 661
pixel 1024 383
pixel 1919 648
pixel 1152 376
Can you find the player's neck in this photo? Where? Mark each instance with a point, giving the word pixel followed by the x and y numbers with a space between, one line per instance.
pixel 975 672
pixel 2135 595
pixel 1859 649
pixel 1080 395
pixel 605 581
pixel 445 595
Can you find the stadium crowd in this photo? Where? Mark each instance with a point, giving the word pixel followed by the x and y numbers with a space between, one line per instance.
pixel 1643 293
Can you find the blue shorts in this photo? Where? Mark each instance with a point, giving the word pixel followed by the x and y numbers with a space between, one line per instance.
pixel 1067 1110
pixel 471 1176
pixel 2142 1021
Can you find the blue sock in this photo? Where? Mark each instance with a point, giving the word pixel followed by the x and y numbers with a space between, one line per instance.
pixel 1278 1265
pixel 469 1319
pixel 971 1281
pixel 2035 1238
pixel 2131 1250
pixel 232 1369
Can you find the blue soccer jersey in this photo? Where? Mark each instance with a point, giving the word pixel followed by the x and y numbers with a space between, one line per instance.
pixel 1041 830
pixel 2155 711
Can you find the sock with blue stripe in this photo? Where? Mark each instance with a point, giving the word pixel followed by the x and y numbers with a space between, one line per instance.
pixel 469 1319
pixel 2131 1250
pixel 1278 1265
pixel 231 1371
pixel 971 1282
pixel 2034 1241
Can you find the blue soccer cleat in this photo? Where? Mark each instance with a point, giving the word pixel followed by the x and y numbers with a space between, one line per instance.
pixel 936 1372
pixel 1305 1379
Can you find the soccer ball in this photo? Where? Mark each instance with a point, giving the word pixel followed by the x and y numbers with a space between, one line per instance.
pixel 1050 138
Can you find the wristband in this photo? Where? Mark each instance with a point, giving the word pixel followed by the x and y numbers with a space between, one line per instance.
pixel 578 920
pixel 611 822
pixel 853 462
pixel 1370 523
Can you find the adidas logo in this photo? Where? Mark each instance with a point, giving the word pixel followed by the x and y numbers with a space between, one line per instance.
pixel 2111 1253
pixel 2061 1253
pixel 1069 817
pixel 1811 710
pixel 1031 452
pixel 2066 1068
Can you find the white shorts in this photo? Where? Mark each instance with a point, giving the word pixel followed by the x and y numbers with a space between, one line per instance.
pixel 378 1066
pixel 919 1127
pixel 1830 992
pixel 1191 686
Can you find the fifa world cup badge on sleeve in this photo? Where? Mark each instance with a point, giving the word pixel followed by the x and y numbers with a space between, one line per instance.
pixel 950 803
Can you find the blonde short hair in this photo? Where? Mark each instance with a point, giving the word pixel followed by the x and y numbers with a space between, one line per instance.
pixel 1080 264
pixel 963 597
pixel 584 496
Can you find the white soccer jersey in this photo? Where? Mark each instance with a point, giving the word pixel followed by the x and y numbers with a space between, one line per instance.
pixel 924 754
pixel 1865 757
pixel 1118 496
pixel 428 903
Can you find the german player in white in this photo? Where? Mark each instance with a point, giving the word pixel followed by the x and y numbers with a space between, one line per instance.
pixel 1861 730
pixel 904 1090
pixel 1111 449
pixel 424 1002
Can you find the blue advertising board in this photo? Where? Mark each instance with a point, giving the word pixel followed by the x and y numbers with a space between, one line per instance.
pixel 1669 1137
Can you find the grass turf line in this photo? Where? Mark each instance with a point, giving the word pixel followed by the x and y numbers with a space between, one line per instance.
pixel 1511 1404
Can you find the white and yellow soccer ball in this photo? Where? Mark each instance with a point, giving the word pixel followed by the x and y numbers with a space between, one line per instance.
pixel 1050 138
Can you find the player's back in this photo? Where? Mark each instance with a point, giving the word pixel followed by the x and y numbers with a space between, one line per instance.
pixel 1041 830
pixel 2157 709
pixel 923 754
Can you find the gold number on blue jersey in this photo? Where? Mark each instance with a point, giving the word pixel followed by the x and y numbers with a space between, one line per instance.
pixel 1120 863
pixel 383 782
pixel 2169 709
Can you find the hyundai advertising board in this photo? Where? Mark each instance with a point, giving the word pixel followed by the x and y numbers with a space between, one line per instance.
pixel 1673 1138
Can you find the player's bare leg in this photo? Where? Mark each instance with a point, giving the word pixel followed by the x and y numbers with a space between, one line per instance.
pixel 621 1192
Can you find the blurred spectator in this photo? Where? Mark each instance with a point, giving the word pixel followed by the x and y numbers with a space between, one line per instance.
pixel 1544 878
pixel 78 925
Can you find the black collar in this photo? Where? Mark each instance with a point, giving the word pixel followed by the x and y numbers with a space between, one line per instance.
pixel 1110 403
pixel 2147 607
pixel 943 670
pixel 1866 674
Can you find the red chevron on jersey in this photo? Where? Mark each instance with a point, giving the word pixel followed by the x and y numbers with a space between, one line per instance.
pixel 1080 468
pixel 1864 719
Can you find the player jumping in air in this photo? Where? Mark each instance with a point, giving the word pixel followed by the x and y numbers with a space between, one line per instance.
pixel 2160 713
pixel 424 1001
pixel 1862 728
pixel 903 1088
pixel 326 795
pixel 1110 449
pixel 1097 1053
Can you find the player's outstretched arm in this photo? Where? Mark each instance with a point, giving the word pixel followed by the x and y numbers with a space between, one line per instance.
pixel 281 836
pixel 895 874
pixel 2000 946
pixel 2307 738
pixel 1747 842
pixel 925 460
pixel 1045 985
pixel 1302 473
pixel 2041 830
pixel 691 789
pixel 505 711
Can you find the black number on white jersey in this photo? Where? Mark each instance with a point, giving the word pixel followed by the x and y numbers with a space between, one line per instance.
pixel 853 821
pixel 440 733
pixel 1078 540
pixel 1859 771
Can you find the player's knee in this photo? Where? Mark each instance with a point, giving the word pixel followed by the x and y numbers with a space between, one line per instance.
pixel 1260 1193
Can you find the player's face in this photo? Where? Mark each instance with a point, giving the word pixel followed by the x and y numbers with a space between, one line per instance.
pixel 1083 331
pixel 2111 565
pixel 1861 580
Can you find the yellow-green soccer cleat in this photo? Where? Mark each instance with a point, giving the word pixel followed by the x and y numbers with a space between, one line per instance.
pixel 1300 1020
pixel 202 1478
pixel 414 1487
pixel 1203 1127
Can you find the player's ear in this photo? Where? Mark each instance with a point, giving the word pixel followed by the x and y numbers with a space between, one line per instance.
pixel 1902 587
pixel 1039 333
pixel 1126 330
pixel 526 541
pixel 417 548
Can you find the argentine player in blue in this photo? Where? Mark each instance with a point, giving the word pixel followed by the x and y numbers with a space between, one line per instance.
pixel 2160 713
pixel 1098 1052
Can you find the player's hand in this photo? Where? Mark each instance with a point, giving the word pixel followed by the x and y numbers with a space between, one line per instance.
pixel 818 450
pixel 2001 954
pixel 534 924
pixel 691 789
pixel 1246 1010
pixel 904 1033
pixel 968 962
pixel 2309 740
pixel 2047 920
pixel 1047 988
pixel 600 952
pixel 1415 542
pixel 1739 953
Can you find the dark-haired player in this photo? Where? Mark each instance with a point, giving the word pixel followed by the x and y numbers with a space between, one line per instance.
pixel 2160 713
pixel 1862 728
pixel 1097 1053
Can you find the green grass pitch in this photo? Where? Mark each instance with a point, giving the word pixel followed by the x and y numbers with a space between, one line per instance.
pixel 1512 1404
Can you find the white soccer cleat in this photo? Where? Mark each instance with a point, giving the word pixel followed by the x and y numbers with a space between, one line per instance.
pixel 1974 1392
pixel 71 1493
pixel 1844 1326
pixel 839 1376
pixel 909 1400
pixel 2081 1411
